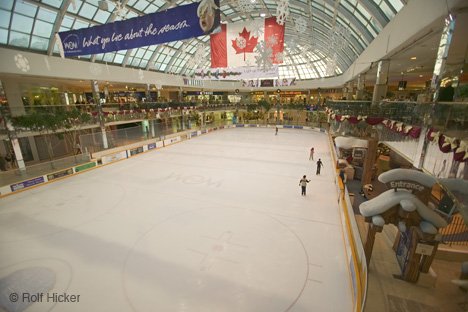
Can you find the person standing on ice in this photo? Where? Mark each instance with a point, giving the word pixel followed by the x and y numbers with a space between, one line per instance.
pixel 319 166
pixel 311 157
pixel 276 131
pixel 303 183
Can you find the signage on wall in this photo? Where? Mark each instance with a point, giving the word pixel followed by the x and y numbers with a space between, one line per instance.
pixel 179 23
pixel 409 185
pixel 27 183
pixel 59 174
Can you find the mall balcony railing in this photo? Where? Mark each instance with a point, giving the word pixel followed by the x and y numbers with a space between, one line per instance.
pixel 451 117
pixel 13 175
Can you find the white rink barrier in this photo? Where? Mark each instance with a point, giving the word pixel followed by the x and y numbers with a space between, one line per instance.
pixel 357 265
pixel 44 179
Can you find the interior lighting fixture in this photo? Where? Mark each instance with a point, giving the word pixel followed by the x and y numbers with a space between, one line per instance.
pixel 413 58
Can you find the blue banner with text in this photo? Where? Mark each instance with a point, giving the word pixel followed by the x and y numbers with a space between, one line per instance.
pixel 179 23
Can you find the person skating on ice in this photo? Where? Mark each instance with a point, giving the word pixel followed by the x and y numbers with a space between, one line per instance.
pixel 319 166
pixel 303 183
pixel 276 131
pixel 311 157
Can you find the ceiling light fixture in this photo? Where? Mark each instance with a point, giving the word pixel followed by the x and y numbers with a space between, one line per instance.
pixel 413 58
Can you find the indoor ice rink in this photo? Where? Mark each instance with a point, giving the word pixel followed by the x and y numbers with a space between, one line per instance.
pixel 215 223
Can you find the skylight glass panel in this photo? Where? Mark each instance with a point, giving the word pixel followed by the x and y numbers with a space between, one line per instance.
pixel 141 5
pixel 3 36
pixel 102 16
pixel 46 15
pixel 38 43
pixel 19 39
pixel 75 8
pixel 397 5
pixel 6 4
pixel 386 9
pixel 79 24
pixel 119 58
pixel 42 29
pixel 22 23
pixel 4 18
pixel 88 11
pixel 25 8
pixel 151 9
pixel 54 3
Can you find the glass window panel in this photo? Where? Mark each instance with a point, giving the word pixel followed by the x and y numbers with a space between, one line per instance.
pixel 141 5
pixel 75 8
pixel 131 15
pixel 131 2
pixel 3 36
pixel 119 58
pixel 38 43
pixel 64 29
pixel 99 57
pixel 147 55
pixel 151 9
pixel 25 8
pixel 22 23
pixel 54 3
pixel 79 24
pixel 135 62
pixel 5 18
pixel 19 39
pixel 46 15
pixel 162 67
pixel 102 16
pixel 6 4
pixel 88 10
pixel 386 9
pixel 108 57
pixel 143 63
pixel 397 5
pixel 348 7
pixel 363 11
pixel 139 52
pixel 42 29
pixel 68 21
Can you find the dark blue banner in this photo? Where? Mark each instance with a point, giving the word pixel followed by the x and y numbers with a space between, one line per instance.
pixel 183 22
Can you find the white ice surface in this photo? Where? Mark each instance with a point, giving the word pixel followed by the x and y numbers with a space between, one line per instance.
pixel 216 223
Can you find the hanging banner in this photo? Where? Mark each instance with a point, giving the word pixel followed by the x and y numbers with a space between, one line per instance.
pixel 235 45
pixel 182 22
pixel 236 73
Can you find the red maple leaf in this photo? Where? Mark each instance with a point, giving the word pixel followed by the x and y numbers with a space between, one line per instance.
pixel 250 43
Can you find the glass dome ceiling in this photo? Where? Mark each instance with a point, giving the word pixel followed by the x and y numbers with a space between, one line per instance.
pixel 32 24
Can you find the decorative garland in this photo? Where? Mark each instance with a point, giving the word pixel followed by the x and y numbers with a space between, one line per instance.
pixel 393 125
pixel 449 144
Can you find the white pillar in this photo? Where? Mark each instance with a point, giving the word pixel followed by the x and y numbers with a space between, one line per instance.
pixel 380 88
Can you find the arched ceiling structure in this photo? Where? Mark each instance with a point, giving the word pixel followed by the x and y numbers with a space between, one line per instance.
pixel 32 24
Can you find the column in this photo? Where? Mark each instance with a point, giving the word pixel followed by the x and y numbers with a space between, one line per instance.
pixel 148 93
pixel 32 143
pixel 380 88
pixel 442 53
pixel 369 161
pixel 97 100
pixel 349 91
pixel 13 94
pixel 361 80
pixel 439 69
pixel 370 239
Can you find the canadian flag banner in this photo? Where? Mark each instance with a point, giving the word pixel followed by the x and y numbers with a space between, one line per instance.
pixel 234 45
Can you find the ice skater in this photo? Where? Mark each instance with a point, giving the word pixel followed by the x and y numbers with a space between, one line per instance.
pixel 319 166
pixel 276 131
pixel 303 183
pixel 311 157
